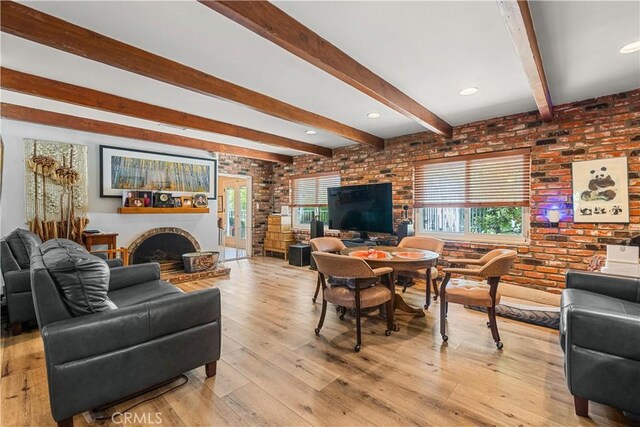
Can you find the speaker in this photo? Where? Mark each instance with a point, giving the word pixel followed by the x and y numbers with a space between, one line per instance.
pixel 405 229
pixel 317 228
pixel 299 255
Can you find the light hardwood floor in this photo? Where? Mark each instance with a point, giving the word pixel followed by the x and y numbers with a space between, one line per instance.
pixel 275 371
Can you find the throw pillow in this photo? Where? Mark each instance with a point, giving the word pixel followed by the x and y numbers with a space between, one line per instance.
pixel 22 242
pixel 81 278
pixel 62 243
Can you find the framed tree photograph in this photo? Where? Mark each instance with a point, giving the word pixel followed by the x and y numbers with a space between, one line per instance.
pixel 126 169
pixel 601 191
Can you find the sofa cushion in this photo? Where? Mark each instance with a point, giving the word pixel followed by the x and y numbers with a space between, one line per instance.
pixel 81 278
pixel 144 292
pixel 592 301
pixel 22 242
pixel 53 244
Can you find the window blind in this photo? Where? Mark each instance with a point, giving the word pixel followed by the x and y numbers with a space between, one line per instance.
pixel 311 190
pixel 493 179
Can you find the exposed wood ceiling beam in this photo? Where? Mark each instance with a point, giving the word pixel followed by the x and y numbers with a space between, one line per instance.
pixel 517 17
pixel 270 22
pixel 48 30
pixel 29 84
pixel 43 117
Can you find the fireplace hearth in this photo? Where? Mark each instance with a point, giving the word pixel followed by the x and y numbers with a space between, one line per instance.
pixel 165 246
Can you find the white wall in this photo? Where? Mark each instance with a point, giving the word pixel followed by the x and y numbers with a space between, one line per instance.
pixel 103 214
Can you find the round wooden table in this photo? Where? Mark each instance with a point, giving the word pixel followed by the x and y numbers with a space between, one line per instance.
pixel 399 259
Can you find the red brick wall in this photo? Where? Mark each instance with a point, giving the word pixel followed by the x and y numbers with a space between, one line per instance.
pixel 608 126
pixel 261 173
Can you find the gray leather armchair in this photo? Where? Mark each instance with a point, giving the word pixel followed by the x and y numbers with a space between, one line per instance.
pixel 15 253
pixel 600 336
pixel 155 333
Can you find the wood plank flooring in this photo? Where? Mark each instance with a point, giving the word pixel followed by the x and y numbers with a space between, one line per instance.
pixel 275 372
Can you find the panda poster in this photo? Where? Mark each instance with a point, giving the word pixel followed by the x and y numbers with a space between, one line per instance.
pixel 601 191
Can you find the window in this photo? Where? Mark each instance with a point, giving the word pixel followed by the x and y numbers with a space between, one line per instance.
pixel 309 197
pixel 480 197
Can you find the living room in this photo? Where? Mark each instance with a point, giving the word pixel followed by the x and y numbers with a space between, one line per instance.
pixel 295 213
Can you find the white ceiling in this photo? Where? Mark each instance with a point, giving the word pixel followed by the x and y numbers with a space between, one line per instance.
pixel 429 50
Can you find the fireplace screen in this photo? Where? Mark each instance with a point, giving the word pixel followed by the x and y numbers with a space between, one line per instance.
pixel 164 248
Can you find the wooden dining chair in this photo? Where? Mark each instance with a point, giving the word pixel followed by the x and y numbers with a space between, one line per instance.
pixel 364 293
pixel 325 244
pixel 428 244
pixel 497 263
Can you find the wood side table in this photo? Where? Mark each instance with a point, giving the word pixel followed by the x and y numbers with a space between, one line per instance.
pixel 92 239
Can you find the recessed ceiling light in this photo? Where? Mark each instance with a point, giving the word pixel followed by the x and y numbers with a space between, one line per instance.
pixel 631 47
pixel 373 115
pixel 310 132
pixel 468 91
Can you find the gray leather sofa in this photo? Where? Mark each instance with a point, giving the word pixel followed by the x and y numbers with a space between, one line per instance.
pixel 15 253
pixel 141 331
pixel 600 336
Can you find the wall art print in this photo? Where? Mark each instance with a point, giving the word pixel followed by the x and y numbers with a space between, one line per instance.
pixel 125 169
pixel 601 191
pixel 56 201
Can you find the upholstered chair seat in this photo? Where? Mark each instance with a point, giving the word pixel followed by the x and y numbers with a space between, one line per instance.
pixel 476 295
pixel 492 266
pixel 331 245
pixel 359 287
pixel 369 297
pixel 425 243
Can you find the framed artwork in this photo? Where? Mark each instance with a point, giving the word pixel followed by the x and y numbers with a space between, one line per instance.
pixel 126 169
pixel 221 203
pixel 200 200
pixel 136 202
pixel 147 197
pixel 187 201
pixel 127 195
pixel 601 191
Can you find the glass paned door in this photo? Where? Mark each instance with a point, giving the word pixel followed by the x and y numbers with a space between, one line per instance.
pixel 236 200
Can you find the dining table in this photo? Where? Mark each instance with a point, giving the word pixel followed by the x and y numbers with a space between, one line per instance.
pixel 399 260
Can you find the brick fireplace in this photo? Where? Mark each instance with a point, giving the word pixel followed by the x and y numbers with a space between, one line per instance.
pixel 164 245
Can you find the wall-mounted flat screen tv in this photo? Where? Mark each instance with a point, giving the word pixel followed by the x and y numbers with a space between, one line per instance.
pixel 364 208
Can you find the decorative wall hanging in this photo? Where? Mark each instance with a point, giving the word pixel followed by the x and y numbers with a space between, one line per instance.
pixel 56 189
pixel 123 169
pixel 601 191
pixel 1 162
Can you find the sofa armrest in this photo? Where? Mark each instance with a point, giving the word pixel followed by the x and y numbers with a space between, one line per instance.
pixel 114 262
pixel 606 332
pixel 621 287
pixel 130 275
pixel 17 281
pixel 96 334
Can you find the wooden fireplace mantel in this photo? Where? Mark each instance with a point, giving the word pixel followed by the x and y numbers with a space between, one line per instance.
pixel 131 210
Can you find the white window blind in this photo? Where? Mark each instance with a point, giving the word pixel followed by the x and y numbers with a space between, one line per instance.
pixel 493 179
pixel 311 190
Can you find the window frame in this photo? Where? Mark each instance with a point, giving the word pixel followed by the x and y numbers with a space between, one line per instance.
pixel 466 205
pixel 294 218
pixel 294 208
pixel 468 236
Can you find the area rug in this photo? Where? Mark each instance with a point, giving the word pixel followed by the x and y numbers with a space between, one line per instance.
pixel 535 314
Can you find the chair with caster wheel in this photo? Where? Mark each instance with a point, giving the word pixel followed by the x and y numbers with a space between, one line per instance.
pixel 428 244
pixel 364 290
pixel 325 244
pixel 498 263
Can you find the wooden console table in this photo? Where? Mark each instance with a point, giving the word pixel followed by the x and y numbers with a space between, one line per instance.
pixel 109 239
